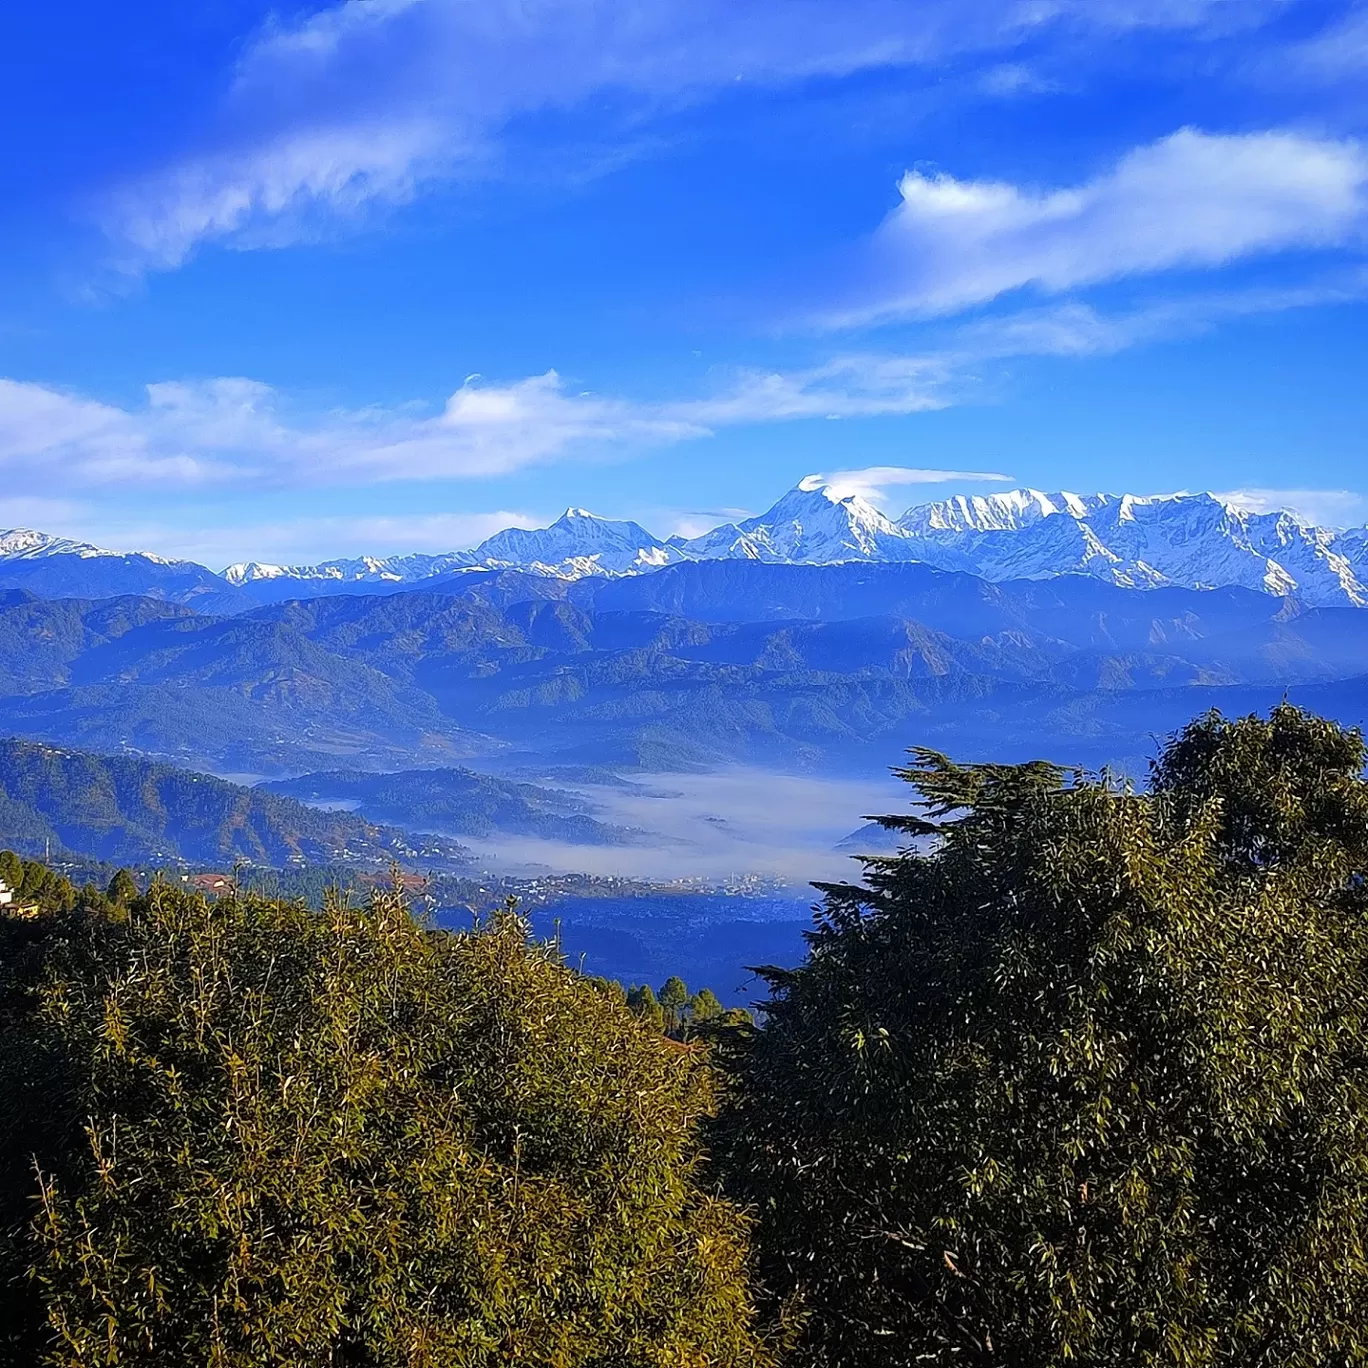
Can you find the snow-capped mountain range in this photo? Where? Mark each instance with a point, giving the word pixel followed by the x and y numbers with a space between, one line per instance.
pixel 1190 540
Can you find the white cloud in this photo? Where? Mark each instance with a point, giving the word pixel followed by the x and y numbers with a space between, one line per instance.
pixel 1191 200
pixel 1338 52
pixel 1318 507
pixel 872 482
pixel 270 194
pixel 858 385
pixel 243 436
pixel 365 102
pixel 239 431
pixel 192 434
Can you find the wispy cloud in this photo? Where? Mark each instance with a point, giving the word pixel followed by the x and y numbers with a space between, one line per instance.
pixel 193 438
pixel 1192 200
pixel 873 483
pixel 1318 507
pixel 1338 52
pixel 367 102
pixel 190 435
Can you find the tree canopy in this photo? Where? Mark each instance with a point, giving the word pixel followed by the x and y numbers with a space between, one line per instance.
pixel 1081 1074
pixel 338 1137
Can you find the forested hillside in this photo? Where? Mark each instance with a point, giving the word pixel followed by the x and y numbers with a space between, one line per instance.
pixel 128 810
pixel 825 666
pixel 456 800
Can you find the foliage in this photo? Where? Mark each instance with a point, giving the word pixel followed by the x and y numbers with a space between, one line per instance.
pixel 337 1137
pixel 122 888
pixel 1081 1076
pixel 678 1013
pixel 33 883
pixel 1287 786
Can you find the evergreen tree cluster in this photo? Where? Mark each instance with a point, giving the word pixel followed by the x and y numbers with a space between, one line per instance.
pixel 1079 1076
pixel 680 1014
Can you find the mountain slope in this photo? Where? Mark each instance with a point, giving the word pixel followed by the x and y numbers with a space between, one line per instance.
pixel 56 567
pixel 129 810
pixel 720 662
pixel 1193 540
pixel 698 663
pixel 457 801
pixel 577 543
pixel 231 694
pixel 812 523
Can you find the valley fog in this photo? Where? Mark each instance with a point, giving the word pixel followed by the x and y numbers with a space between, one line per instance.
pixel 732 821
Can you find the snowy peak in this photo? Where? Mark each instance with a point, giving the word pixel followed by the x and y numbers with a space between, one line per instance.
pixel 1195 540
pixel 59 567
pixel 22 542
pixel 357 570
pixel 578 543
pixel 986 512
pixel 813 522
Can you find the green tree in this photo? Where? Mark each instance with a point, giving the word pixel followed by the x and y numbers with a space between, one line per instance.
pixel 674 998
pixel 43 1106
pixel 704 1006
pixel 642 1001
pixel 34 882
pixel 122 889
pixel 337 1138
pixel 1285 788
pixel 1082 1079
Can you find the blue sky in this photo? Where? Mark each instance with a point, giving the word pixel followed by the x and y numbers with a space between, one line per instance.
pixel 287 283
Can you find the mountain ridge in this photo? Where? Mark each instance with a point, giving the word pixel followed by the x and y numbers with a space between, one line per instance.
pixel 1189 540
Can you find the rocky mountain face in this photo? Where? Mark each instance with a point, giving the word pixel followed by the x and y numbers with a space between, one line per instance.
pixel 578 543
pixel 811 524
pixel 57 567
pixel 1195 541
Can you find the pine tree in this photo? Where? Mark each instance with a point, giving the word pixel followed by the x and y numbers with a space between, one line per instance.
pixel 674 998
pixel 1081 1078
pixel 642 1001
pixel 122 889
pixel 704 1006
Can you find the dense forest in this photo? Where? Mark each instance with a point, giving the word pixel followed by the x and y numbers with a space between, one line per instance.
pixel 1077 1075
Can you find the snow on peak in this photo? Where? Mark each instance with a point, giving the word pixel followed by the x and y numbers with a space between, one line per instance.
pixel 25 542
pixel 245 572
pixel 813 522
pixel 578 542
pixel 1197 540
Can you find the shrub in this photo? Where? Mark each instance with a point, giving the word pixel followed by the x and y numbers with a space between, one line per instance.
pixel 341 1138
